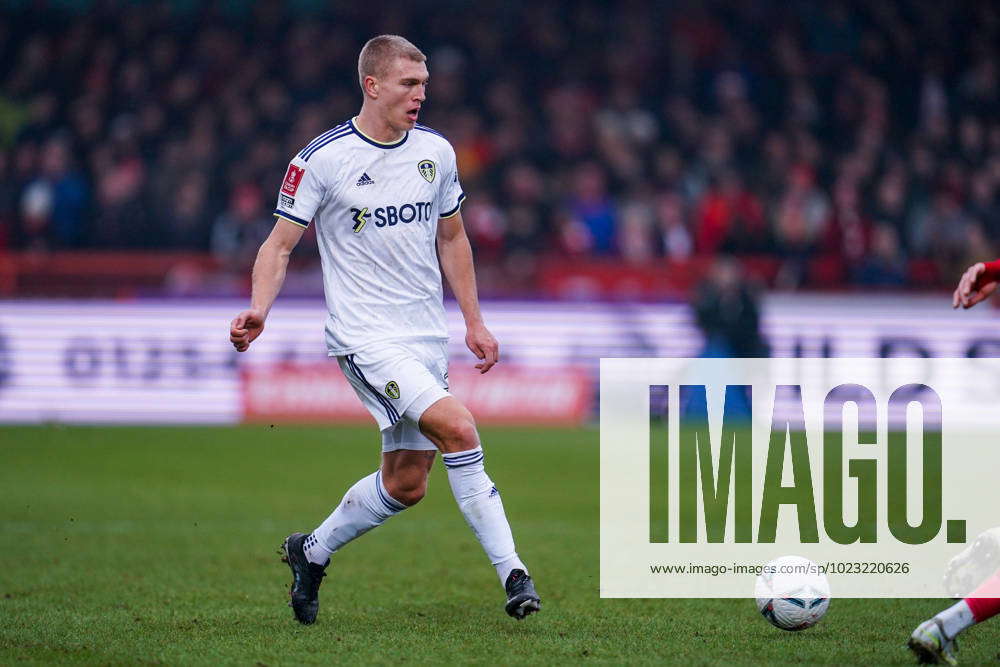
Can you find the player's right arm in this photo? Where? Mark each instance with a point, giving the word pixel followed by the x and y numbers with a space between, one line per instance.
pixel 300 196
pixel 268 276
pixel 978 282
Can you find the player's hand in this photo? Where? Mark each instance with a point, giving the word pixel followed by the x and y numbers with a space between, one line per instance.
pixel 971 290
pixel 483 345
pixel 245 328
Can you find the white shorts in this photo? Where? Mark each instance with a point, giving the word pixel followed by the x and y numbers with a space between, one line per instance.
pixel 397 382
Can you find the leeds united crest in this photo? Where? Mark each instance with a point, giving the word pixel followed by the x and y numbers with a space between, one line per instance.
pixel 427 169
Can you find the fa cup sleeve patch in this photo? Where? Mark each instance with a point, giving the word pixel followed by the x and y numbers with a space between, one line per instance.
pixel 292 179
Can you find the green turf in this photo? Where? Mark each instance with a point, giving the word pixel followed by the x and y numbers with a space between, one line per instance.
pixel 125 545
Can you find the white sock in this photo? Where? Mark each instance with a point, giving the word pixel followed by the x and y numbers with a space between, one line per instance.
pixel 956 618
pixel 480 503
pixel 365 505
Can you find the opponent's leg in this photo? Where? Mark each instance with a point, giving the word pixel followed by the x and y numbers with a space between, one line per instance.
pixel 934 639
pixel 450 426
pixel 400 483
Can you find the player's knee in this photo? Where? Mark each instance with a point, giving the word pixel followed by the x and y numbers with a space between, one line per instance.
pixel 460 434
pixel 409 492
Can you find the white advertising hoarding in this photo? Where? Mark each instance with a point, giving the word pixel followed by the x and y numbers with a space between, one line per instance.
pixel 171 361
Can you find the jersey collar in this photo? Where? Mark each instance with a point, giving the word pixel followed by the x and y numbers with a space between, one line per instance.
pixel 374 142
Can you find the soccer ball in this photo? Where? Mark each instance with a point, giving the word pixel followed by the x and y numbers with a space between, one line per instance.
pixel 792 593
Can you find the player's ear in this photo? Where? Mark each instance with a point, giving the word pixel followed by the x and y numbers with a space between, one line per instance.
pixel 371 86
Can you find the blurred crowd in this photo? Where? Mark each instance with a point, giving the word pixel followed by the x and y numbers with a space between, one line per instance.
pixel 864 135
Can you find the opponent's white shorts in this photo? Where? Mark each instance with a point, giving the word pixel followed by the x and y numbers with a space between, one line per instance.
pixel 397 382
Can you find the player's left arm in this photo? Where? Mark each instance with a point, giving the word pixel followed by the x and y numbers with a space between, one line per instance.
pixel 456 262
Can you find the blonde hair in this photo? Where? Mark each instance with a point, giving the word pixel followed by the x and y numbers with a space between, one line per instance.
pixel 379 51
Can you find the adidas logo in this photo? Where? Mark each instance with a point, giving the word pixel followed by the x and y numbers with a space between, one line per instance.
pixel 365 180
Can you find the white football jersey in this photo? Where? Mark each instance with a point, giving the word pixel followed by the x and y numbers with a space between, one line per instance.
pixel 376 208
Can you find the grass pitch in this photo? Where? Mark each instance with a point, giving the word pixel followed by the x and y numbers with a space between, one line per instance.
pixel 128 545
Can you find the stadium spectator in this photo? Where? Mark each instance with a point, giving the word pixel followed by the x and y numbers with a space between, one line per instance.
pixel 730 218
pixel 884 265
pixel 727 312
pixel 121 218
pixel 55 202
pixel 590 204
pixel 241 229
pixel 675 237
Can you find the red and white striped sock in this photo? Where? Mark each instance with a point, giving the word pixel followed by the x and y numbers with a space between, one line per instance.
pixel 984 602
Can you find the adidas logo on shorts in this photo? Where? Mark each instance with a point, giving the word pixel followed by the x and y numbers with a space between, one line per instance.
pixel 365 180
